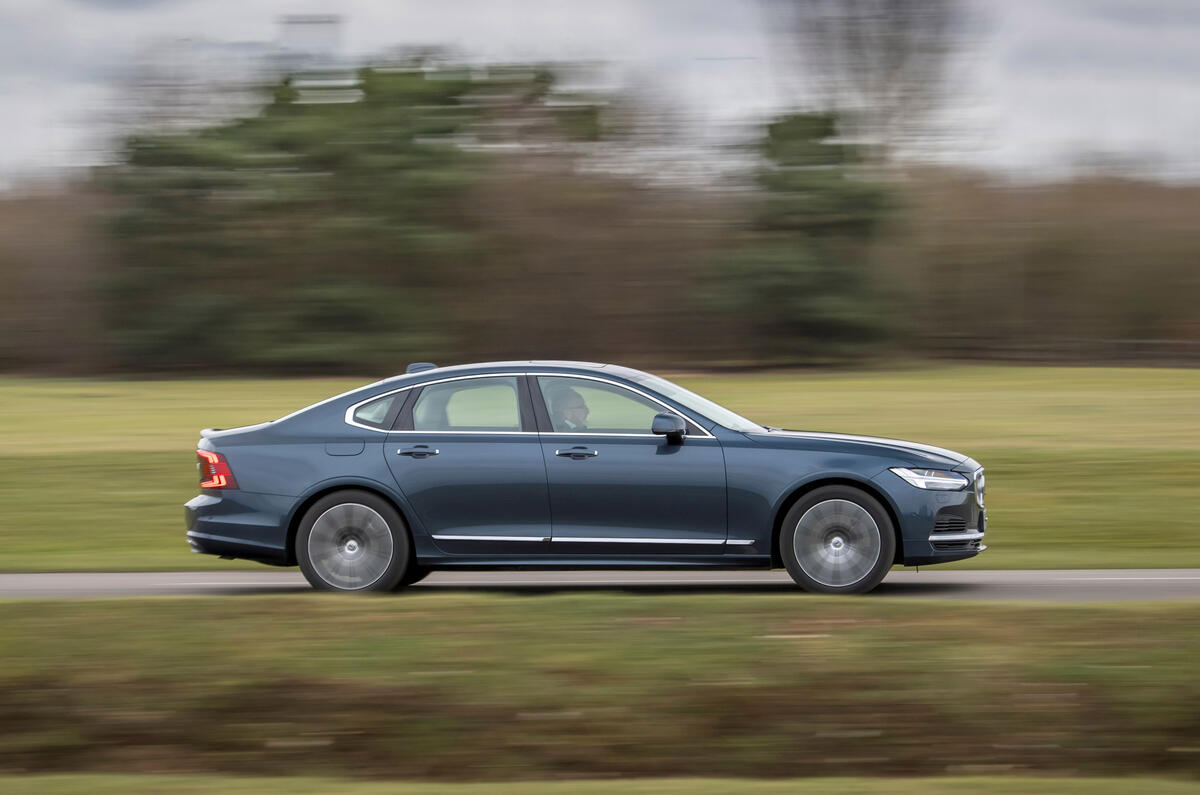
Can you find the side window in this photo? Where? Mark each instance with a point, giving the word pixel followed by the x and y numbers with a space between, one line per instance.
pixel 579 404
pixel 375 413
pixel 472 404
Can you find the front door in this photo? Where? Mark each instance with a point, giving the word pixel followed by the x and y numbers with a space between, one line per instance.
pixel 466 455
pixel 613 482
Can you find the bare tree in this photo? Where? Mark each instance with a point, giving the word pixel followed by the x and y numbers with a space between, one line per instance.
pixel 881 65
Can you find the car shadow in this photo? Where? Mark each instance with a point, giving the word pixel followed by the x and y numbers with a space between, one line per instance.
pixel 680 589
pixel 884 590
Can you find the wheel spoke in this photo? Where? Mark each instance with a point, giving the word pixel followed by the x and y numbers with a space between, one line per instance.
pixel 837 542
pixel 350 546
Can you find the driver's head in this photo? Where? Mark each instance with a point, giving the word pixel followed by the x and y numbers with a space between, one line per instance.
pixel 568 405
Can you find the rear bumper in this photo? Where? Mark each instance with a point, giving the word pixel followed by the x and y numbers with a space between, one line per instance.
pixel 239 524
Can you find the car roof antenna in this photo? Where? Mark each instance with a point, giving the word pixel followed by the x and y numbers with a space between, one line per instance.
pixel 420 367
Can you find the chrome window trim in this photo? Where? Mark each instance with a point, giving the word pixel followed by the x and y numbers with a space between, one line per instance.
pixel 651 398
pixel 349 415
pixel 475 433
pixel 626 435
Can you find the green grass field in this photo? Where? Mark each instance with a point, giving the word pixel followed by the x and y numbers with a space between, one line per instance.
pixel 1086 466
pixel 263 785
pixel 483 687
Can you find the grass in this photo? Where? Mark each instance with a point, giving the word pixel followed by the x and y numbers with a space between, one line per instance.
pixel 186 785
pixel 454 687
pixel 1088 467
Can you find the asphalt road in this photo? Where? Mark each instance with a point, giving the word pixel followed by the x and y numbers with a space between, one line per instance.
pixel 1099 585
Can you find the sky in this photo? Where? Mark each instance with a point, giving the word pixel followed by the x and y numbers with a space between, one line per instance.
pixel 1041 87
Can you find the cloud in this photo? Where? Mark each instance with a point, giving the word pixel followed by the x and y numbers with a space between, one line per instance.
pixel 1046 79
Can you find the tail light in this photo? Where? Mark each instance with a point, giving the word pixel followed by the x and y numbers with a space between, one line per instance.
pixel 214 471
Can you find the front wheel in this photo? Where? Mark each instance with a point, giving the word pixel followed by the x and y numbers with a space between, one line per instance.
pixel 837 540
pixel 353 541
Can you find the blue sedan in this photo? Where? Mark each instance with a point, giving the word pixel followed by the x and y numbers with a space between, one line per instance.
pixel 570 465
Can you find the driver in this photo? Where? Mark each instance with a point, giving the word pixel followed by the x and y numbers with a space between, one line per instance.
pixel 568 411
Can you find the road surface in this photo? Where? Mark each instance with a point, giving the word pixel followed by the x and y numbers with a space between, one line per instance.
pixel 1098 585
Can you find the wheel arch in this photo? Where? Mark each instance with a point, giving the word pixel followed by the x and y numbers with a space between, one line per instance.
pixel 802 489
pixel 329 487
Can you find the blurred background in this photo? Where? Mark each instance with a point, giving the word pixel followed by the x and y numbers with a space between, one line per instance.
pixel 971 223
pixel 311 188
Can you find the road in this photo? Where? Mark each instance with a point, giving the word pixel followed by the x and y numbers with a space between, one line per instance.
pixel 1099 585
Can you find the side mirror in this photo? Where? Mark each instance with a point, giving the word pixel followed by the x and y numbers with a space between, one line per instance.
pixel 671 426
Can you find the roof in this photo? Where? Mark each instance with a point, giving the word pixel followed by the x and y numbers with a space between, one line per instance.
pixel 519 365
pixel 515 364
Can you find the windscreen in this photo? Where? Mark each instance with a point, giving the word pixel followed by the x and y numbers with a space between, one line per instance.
pixel 701 405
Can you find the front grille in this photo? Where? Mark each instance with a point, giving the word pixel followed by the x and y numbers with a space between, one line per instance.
pixel 949 523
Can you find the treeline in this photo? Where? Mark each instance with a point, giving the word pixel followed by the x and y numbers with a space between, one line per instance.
pixel 443 215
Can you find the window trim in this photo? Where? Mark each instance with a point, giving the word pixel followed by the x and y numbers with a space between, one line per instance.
pixel 534 413
pixel 524 405
pixel 389 419
pixel 524 417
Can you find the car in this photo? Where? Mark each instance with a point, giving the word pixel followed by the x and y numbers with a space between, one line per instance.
pixel 574 465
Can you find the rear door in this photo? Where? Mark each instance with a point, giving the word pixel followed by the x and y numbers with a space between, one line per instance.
pixel 616 488
pixel 465 453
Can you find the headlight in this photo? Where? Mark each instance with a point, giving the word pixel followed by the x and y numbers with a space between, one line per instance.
pixel 934 479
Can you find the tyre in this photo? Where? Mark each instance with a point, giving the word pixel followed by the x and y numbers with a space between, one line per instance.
pixel 837 540
pixel 353 541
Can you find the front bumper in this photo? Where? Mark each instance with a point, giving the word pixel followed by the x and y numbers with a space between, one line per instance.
pixel 941 526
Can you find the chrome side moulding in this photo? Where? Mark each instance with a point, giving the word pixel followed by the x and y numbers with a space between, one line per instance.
pixel 533 539
pixel 598 540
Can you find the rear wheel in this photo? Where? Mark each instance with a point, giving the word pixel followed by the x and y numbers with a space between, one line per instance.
pixel 353 541
pixel 837 539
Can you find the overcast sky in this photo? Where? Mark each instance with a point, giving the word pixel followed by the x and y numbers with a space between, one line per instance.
pixel 1043 85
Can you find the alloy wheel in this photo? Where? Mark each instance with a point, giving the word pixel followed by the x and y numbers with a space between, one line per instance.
pixel 350 546
pixel 837 543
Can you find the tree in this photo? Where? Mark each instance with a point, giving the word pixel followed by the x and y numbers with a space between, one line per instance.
pixel 881 65
pixel 800 285
pixel 312 236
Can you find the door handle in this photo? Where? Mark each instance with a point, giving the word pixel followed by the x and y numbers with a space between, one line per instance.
pixel 577 453
pixel 420 451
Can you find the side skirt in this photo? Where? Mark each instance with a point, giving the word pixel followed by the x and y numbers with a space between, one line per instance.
pixel 596 562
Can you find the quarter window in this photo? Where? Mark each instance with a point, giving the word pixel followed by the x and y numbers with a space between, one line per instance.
pixel 583 405
pixel 474 404
pixel 375 412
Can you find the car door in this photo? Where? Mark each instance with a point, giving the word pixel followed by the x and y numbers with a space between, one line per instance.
pixel 465 453
pixel 613 482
